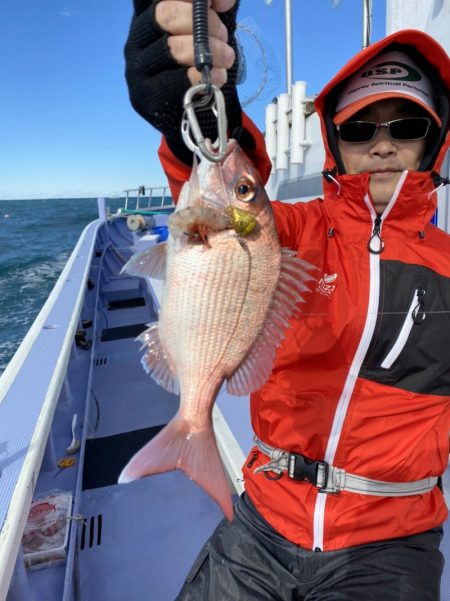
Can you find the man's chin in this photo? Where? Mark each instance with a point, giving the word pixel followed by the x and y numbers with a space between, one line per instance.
pixel 382 190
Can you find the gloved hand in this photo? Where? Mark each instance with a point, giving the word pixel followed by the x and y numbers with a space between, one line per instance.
pixel 159 67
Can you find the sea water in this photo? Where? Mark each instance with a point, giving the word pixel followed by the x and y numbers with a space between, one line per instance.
pixel 36 239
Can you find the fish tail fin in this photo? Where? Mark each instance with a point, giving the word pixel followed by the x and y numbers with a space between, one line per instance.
pixel 178 447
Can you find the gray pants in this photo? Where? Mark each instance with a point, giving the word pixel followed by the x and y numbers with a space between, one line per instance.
pixel 249 561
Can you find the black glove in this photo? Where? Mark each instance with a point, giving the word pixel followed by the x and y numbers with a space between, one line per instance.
pixel 157 83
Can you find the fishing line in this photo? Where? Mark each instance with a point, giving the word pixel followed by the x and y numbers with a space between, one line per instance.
pixel 324 314
pixel 259 73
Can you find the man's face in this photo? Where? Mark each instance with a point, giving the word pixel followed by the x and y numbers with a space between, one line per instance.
pixel 382 157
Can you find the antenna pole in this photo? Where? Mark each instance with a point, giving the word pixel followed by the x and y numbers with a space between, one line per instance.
pixel 367 22
pixel 288 18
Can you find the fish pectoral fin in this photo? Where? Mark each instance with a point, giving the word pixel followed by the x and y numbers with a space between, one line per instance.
pixel 177 446
pixel 155 361
pixel 150 263
pixel 256 368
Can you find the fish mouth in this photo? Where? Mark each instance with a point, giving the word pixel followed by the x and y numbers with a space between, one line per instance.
pixel 197 223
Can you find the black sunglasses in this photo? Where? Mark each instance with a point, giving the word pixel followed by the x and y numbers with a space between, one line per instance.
pixel 409 128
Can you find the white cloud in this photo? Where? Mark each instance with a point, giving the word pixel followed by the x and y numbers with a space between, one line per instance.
pixel 67 12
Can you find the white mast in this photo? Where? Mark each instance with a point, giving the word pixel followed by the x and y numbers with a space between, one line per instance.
pixel 288 19
pixel 367 22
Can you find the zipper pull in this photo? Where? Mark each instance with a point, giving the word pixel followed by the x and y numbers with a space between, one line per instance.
pixel 418 314
pixel 376 242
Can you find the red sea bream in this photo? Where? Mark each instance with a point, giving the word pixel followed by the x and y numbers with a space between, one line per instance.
pixel 230 290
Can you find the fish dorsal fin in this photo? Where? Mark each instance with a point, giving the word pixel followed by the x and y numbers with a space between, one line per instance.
pixel 148 264
pixel 257 366
pixel 155 361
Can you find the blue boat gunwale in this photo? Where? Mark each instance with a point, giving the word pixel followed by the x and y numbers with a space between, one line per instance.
pixel 19 476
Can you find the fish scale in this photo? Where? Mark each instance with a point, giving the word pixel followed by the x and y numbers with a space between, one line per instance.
pixel 210 313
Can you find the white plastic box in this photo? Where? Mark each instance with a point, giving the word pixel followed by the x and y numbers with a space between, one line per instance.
pixel 46 533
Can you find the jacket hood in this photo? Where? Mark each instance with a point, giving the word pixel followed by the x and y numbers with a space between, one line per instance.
pixel 434 61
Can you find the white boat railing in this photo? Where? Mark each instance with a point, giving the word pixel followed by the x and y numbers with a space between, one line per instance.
pixel 19 378
pixel 145 198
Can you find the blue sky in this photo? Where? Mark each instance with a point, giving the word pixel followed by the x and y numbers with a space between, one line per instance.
pixel 68 129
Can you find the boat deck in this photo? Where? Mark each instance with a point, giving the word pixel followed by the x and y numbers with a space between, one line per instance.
pixel 139 540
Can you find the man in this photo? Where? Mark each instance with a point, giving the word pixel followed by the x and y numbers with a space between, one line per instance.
pixel 358 400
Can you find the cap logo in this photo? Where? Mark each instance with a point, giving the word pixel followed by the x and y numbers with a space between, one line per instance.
pixel 391 74
pixel 392 70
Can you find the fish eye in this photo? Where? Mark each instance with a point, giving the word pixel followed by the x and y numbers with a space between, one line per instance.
pixel 245 190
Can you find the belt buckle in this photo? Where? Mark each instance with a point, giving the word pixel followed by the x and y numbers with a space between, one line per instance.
pixel 304 469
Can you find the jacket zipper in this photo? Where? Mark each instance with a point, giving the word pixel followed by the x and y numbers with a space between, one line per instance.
pixel 376 242
pixel 361 351
pixel 415 315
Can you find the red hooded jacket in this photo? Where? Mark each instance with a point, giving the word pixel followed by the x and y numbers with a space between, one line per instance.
pixel 338 392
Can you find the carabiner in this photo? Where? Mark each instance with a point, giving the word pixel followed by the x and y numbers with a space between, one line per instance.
pixel 190 127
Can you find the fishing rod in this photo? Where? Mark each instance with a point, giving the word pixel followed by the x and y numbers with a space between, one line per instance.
pixel 203 96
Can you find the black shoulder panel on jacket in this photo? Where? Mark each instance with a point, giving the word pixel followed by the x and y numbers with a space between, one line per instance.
pixel 410 348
